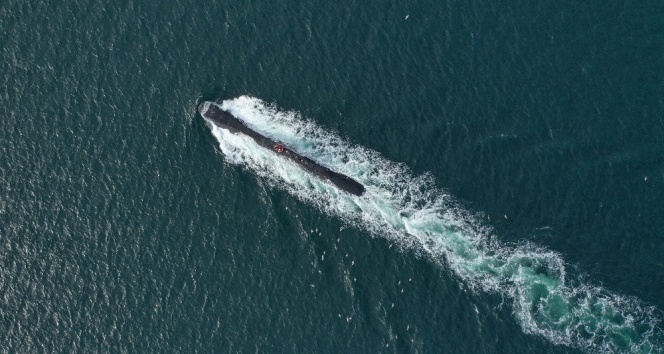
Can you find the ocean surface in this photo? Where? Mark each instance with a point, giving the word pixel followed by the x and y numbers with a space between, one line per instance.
pixel 513 155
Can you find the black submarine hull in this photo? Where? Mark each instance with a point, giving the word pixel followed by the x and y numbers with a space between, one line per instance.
pixel 213 113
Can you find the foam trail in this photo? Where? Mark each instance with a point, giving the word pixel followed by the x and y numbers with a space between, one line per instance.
pixel 411 211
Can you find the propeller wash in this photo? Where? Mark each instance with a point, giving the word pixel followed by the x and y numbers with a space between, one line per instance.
pixel 412 212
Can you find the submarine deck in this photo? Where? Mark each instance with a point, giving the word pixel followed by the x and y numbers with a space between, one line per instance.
pixel 225 120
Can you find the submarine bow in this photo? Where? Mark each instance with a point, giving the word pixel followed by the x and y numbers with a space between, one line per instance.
pixel 225 120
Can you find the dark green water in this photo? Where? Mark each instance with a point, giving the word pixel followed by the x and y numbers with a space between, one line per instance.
pixel 125 226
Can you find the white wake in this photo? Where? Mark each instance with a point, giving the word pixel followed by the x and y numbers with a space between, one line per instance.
pixel 412 212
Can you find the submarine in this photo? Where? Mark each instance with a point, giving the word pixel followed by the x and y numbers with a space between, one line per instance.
pixel 225 120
